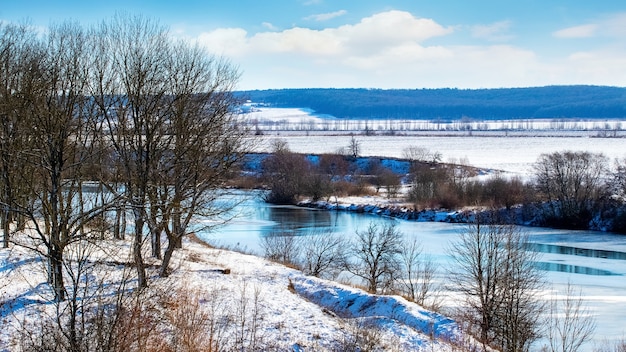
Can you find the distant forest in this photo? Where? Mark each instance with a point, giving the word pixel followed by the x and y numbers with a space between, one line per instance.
pixel 553 102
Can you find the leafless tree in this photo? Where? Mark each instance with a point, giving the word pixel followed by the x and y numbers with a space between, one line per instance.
pixel 614 346
pixel 354 148
pixel 374 256
pixel 17 52
pixel 63 130
pixel 418 274
pixel 570 323
pixel 282 246
pixel 571 183
pixel 286 174
pixel 322 253
pixel 416 154
pixel 499 282
pixel 206 141
pixel 618 183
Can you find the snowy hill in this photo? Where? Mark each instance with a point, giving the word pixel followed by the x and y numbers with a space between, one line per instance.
pixel 260 304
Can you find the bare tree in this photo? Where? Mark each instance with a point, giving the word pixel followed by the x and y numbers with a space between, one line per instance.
pixel 134 103
pixel 499 282
pixel 618 183
pixel 418 274
pixel 354 148
pixel 171 123
pixel 374 256
pixel 570 324
pixel 571 182
pixel 282 246
pixel 63 131
pixel 17 44
pixel 286 174
pixel 416 154
pixel 322 253
pixel 206 141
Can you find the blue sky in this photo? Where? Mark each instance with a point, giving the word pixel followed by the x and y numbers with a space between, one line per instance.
pixel 383 44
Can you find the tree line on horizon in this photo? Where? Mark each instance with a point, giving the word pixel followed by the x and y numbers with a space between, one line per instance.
pixel 550 102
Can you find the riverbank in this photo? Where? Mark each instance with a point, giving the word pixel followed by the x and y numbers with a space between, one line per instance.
pixel 238 300
pixel 389 209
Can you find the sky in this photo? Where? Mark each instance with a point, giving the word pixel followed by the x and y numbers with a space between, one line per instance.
pixel 382 44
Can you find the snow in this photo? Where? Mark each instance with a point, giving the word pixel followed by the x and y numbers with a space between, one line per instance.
pixel 510 154
pixel 501 147
pixel 303 313
pixel 353 303
pixel 296 312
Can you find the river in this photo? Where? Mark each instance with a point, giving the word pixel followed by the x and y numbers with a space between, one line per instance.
pixel 593 262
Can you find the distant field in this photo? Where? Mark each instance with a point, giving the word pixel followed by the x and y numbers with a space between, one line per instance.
pixel 502 145
pixel 266 119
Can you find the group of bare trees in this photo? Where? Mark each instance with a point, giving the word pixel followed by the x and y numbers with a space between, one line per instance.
pixel 572 183
pixel 290 176
pixel 97 123
pixel 380 258
pixel 567 189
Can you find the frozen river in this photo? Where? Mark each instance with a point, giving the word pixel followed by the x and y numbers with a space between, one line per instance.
pixel 592 261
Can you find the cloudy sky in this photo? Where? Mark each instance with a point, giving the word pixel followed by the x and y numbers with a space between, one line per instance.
pixel 383 44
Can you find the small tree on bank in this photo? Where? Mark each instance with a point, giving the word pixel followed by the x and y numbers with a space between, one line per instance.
pixel 375 256
pixel 286 174
pixel 570 323
pixel 499 282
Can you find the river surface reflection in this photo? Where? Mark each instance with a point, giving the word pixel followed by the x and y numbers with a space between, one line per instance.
pixel 595 262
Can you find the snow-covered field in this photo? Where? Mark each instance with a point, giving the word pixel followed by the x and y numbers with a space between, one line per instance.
pixel 508 151
pixel 511 154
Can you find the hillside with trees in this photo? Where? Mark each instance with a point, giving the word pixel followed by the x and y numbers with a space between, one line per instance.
pixel 551 102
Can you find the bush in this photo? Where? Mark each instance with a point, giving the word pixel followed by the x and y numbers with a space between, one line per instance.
pixel 282 246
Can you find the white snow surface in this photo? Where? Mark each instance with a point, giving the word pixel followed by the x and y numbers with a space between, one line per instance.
pixel 513 147
pixel 297 312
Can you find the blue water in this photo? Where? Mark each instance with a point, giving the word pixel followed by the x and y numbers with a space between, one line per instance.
pixel 593 262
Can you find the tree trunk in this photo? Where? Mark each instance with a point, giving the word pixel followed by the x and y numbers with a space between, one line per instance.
pixel 55 269
pixel 123 223
pixel 177 239
pixel 142 281
pixel 5 227
pixel 156 241
pixel 116 223
pixel 164 272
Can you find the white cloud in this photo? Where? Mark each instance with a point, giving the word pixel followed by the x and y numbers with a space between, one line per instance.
pixel 582 31
pixel 395 49
pixel 497 31
pixel 296 40
pixel 370 36
pixel 269 26
pixel 615 25
pixel 225 41
pixel 326 16
pixel 611 26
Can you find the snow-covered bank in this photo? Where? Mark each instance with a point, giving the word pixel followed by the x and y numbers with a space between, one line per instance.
pixel 291 311
pixel 350 302
pixel 399 211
